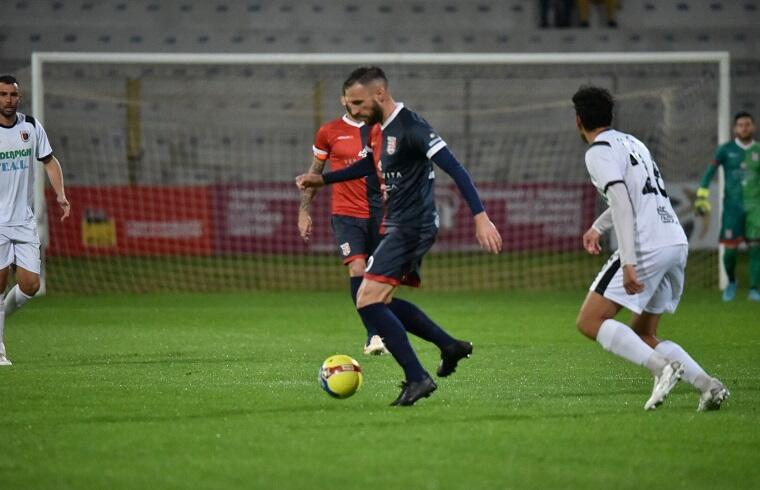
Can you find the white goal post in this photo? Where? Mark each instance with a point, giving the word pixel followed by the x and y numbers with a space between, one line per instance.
pixel 40 61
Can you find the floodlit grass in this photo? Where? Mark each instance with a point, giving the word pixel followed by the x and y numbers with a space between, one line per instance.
pixel 508 271
pixel 219 391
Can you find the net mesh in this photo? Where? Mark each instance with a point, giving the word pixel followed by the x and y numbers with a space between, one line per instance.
pixel 181 176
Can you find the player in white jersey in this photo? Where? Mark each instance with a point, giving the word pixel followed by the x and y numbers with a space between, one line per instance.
pixel 646 273
pixel 22 141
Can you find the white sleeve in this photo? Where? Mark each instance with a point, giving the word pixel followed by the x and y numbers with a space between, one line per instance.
pixel 604 221
pixel 602 167
pixel 624 222
pixel 43 145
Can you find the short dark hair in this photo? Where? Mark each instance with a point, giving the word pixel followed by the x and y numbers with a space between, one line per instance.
pixel 594 106
pixel 743 114
pixel 9 79
pixel 365 75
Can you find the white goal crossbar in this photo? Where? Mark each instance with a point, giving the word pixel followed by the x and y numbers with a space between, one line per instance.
pixel 40 59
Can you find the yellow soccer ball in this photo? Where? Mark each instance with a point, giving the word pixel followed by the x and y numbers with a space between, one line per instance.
pixel 340 376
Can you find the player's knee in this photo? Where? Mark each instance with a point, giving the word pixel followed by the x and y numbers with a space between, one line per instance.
pixel 370 293
pixel 587 325
pixel 30 286
pixel 356 267
pixel 365 298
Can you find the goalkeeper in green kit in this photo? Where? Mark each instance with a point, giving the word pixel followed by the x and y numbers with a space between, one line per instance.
pixel 740 159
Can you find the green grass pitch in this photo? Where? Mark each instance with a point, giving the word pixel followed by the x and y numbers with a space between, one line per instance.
pixel 220 391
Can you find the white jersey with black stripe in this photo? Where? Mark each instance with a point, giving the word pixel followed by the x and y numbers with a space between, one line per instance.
pixel 20 145
pixel 616 158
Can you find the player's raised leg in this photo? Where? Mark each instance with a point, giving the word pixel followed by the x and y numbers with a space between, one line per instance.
pixel 372 307
pixel 418 323
pixel 596 321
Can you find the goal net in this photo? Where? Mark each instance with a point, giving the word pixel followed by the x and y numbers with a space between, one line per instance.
pixel 180 168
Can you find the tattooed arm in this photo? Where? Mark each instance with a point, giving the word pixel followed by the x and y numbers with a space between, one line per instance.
pixel 304 218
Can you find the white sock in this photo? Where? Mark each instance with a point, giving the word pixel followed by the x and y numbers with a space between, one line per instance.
pixel 2 326
pixel 619 339
pixel 15 299
pixel 692 372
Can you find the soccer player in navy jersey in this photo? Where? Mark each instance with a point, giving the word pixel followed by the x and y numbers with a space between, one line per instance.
pixel 356 207
pixel 404 146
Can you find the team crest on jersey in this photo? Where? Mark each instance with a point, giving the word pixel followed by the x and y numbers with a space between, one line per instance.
pixel 755 156
pixel 390 145
pixel 24 136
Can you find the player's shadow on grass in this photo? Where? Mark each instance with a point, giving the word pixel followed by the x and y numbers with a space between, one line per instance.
pixel 217 414
pixel 134 359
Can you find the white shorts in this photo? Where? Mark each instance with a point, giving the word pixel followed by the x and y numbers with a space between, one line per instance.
pixel 662 273
pixel 20 245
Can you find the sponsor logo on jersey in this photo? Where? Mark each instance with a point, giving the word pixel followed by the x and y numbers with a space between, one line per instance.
pixel 390 145
pixel 24 152
pixel 392 175
pixel 344 137
pixel 24 136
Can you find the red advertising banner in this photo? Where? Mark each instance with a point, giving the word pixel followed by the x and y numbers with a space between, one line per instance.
pixel 131 220
pixel 262 217
pixel 538 216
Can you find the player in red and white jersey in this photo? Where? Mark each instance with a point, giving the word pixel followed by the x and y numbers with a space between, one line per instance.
pixel 22 141
pixel 356 207
pixel 646 273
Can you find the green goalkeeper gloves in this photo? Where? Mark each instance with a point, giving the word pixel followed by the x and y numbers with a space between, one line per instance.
pixel 702 203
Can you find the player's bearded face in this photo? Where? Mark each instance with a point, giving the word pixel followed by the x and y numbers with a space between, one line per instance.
pixel 375 115
pixel 8 99
pixel 362 105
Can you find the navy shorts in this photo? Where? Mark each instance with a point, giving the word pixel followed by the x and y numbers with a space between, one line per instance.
pixel 356 237
pixel 398 258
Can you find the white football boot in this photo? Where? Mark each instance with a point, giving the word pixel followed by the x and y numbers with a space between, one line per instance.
pixel 712 398
pixel 4 360
pixel 375 347
pixel 663 384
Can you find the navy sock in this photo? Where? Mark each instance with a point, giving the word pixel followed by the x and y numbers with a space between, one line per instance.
pixel 379 316
pixel 418 323
pixel 355 283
